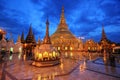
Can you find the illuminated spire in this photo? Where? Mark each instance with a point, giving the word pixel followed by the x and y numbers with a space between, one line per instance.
pixel 62 19
pixel 22 37
pixel 47 38
pixel 47 28
pixel 103 34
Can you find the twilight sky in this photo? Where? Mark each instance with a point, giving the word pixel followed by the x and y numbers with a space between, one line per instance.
pixel 84 17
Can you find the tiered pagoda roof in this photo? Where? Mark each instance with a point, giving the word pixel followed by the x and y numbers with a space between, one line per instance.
pixel 30 37
pixel 104 37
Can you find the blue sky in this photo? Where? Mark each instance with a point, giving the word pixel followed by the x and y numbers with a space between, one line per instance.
pixel 84 17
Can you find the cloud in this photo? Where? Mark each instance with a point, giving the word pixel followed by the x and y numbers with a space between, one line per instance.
pixel 84 17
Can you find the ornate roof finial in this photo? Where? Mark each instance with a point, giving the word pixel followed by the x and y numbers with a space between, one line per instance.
pixel 62 19
pixel 47 38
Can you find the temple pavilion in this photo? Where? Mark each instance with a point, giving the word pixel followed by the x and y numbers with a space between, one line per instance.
pixel 29 43
pixel 3 42
pixel 46 54
pixel 105 43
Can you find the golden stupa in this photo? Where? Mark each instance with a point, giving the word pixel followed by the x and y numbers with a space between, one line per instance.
pixel 63 39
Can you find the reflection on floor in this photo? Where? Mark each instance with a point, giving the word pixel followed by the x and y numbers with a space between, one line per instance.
pixel 69 69
pixel 100 61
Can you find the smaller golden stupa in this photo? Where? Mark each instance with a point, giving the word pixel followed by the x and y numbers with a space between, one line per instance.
pixel 46 54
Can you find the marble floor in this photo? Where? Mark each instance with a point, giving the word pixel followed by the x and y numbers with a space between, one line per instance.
pixel 69 69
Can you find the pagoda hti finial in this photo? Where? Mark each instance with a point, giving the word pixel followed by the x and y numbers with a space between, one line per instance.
pixel 47 38
pixel 62 19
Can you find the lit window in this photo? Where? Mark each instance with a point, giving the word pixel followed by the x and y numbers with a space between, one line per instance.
pixel 40 56
pixel 95 48
pixel 53 53
pixel 88 48
pixel 58 48
pixel 70 48
pixel 56 54
pixel 71 54
pixel 3 48
pixel 66 48
pixel 11 49
pixel 50 54
pixel 66 54
pixel 45 54
pixel 20 49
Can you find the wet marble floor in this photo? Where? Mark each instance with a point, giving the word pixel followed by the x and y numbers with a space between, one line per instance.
pixel 69 69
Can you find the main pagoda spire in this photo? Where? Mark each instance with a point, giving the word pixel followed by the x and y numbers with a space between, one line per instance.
pixel 62 25
pixel 62 19
pixel 47 38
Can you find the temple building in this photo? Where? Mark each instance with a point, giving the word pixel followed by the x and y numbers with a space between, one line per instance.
pixel 29 43
pixel 104 38
pixel 18 46
pixel 6 46
pixel 3 42
pixel 63 39
pixel 10 46
pixel 2 33
pixel 39 42
pixel 46 54
pixel 105 43
pixel 91 46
